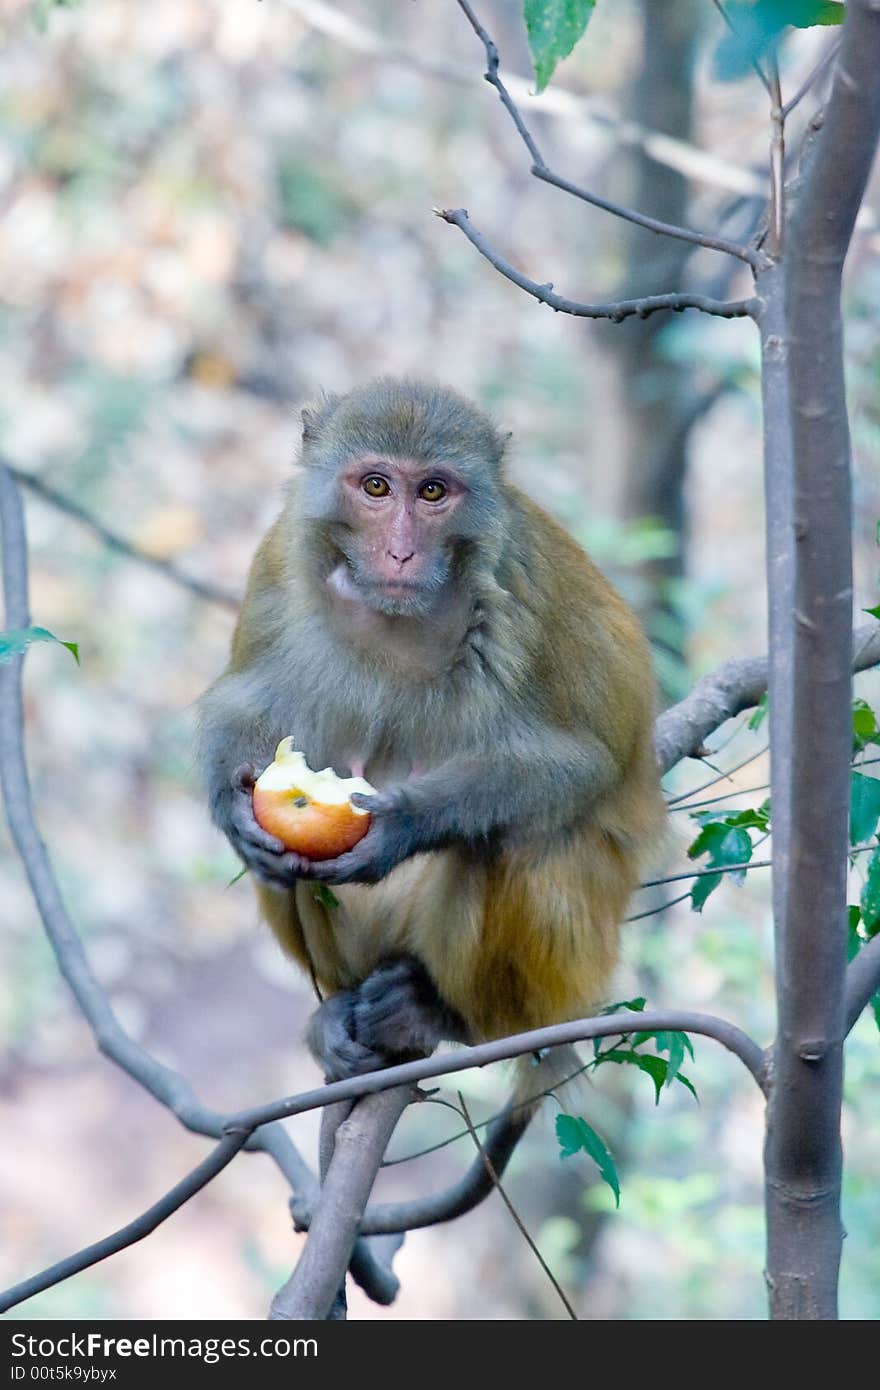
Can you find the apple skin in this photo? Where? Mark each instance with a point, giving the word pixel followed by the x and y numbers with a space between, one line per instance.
pixel 310 812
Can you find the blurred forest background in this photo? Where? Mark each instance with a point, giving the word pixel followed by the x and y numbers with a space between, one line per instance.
pixel 211 211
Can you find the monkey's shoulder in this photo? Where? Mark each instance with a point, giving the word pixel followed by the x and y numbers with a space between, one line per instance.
pixel 262 610
pixel 585 640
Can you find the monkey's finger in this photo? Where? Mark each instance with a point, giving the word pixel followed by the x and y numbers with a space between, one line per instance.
pixel 380 803
pixel 348 868
pixel 250 832
pixel 244 777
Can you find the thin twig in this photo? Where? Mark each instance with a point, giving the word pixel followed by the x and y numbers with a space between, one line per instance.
pixel 214 593
pixel 617 311
pixel 755 65
pixel 703 873
pixel 722 796
pixel 517 1219
pixel 666 150
pixel 661 907
pixel 722 777
pixel 776 231
pixel 828 57
pixel 541 170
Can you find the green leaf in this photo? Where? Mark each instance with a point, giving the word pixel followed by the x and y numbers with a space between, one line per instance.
pixel 865 729
pixel 15 641
pixel 322 894
pixel 655 1067
pixel 675 1048
pixel 702 888
pixel 864 807
pixel 554 27
pixel 756 25
pixel 673 1042
pixel 636 1005
pixel 854 942
pixel 576 1136
pixel 873 612
pixel 759 713
pixel 870 900
pixel 724 842
pixel 752 818
pixel 237 877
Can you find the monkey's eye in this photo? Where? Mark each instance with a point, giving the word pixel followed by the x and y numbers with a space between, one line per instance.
pixel 432 491
pixel 375 486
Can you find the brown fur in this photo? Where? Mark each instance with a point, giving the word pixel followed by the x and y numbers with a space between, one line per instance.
pixel 520 934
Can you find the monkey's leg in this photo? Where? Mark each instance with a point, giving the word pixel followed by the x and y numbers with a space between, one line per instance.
pixel 395 1015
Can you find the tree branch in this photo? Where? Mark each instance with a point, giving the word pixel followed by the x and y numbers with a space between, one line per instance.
pixel 136 1230
pixel 541 170
pixel 503 1049
pixel 812 77
pixel 162 1082
pixel 666 150
pixel 862 981
pixel 213 593
pixel 618 311
pixel 812 693
pixel 502 1137
pixel 736 685
pixel 359 1146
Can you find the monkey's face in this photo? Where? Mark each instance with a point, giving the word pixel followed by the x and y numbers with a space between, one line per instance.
pixel 400 521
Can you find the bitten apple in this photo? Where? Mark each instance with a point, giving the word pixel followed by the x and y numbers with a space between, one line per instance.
pixel 310 812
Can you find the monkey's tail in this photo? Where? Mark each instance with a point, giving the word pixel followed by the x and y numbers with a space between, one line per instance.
pixel 559 1070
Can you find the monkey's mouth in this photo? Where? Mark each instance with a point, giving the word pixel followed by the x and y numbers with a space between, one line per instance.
pixel 347 583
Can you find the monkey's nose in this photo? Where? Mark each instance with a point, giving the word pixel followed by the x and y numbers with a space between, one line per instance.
pixel 401 559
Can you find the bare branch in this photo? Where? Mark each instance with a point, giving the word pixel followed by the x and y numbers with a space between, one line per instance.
pixel 862 981
pixel 776 230
pixel 359 1146
pixel 734 686
pixel 136 1230
pixel 541 169
pixel 666 150
pixel 755 65
pixel 811 693
pixel 517 1045
pixel 617 312
pixel 702 873
pixel 503 1135
pixel 724 776
pixel 812 78
pixel 200 587
pixel 162 1082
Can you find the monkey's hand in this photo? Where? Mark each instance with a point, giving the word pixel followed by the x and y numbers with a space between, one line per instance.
pixel 392 837
pixel 262 853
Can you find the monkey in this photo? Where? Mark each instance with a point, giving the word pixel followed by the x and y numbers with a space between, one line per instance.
pixel 415 618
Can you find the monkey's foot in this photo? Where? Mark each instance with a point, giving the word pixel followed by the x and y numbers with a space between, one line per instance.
pixel 399 1013
pixel 331 1039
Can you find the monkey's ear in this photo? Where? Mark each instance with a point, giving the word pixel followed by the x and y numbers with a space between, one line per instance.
pixel 315 415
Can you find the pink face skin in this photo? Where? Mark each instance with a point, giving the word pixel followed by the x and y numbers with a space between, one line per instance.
pixel 400 510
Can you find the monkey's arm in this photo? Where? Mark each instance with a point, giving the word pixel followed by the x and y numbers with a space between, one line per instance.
pixel 528 785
